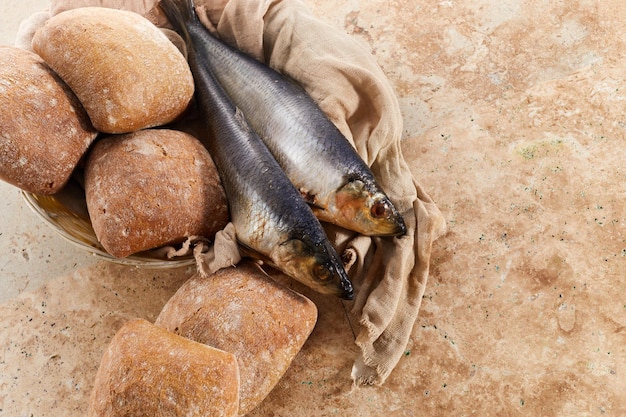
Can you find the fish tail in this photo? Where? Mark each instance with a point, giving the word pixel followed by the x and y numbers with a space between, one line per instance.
pixel 180 13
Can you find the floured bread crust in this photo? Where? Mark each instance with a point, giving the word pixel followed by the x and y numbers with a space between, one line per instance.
pixel 44 131
pixel 242 311
pixel 124 70
pixel 148 371
pixel 152 188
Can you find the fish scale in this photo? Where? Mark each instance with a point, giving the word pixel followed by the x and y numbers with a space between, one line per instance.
pixel 269 214
pixel 314 154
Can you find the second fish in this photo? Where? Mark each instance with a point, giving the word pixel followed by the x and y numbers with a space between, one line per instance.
pixel 316 157
pixel 269 215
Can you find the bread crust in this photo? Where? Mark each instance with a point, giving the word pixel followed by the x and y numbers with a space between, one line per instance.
pixel 124 70
pixel 152 188
pixel 44 131
pixel 243 311
pixel 148 371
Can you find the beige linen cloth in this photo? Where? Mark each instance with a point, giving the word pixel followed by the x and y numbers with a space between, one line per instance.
pixel 389 274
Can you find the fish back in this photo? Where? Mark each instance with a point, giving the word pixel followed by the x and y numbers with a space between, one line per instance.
pixel 316 157
pixel 267 211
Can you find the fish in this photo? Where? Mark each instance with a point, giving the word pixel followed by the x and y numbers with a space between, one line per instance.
pixel 269 215
pixel 318 159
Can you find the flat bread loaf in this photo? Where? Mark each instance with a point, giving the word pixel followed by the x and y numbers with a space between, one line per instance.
pixel 148 371
pixel 123 69
pixel 242 311
pixel 44 131
pixel 152 188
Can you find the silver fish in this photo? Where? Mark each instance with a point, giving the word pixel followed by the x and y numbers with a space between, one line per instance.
pixel 269 214
pixel 317 158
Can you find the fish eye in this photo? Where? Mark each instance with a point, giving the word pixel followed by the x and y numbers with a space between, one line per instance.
pixel 322 273
pixel 379 209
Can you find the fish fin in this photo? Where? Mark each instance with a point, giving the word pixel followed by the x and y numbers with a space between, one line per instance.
pixel 178 12
pixel 319 211
pixel 322 214
pixel 309 197
pixel 241 119
pixel 254 254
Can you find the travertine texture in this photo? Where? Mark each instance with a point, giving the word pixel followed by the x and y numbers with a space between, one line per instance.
pixel 515 122
pixel 242 311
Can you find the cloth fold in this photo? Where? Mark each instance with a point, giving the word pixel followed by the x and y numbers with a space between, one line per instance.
pixel 389 274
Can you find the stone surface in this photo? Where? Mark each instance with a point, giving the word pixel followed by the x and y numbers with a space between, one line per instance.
pixel 515 121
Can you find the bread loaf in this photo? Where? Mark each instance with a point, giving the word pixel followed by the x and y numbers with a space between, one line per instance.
pixel 148 371
pixel 151 188
pixel 44 131
pixel 123 69
pixel 242 311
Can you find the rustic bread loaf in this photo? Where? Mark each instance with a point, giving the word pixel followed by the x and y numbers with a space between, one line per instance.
pixel 151 188
pixel 123 69
pixel 148 371
pixel 44 131
pixel 242 311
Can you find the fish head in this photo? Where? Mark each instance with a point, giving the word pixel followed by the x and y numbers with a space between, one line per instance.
pixel 315 265
pixel 366 209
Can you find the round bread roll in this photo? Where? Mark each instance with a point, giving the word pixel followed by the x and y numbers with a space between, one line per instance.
pixel 148 371
pixel 242 311
pixel 123 69
pixel 44 131
pixel 152 188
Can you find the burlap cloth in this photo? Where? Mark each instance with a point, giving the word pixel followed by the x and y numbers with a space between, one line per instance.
pixel 389 274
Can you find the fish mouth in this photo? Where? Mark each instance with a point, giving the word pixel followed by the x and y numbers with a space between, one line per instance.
pixel 347 292
pixel 341 285
pixel 325 277
pixel 317 267
pixel 362 210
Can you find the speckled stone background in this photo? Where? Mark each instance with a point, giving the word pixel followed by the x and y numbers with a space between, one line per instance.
pixel 515 123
